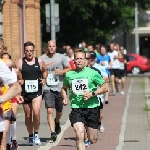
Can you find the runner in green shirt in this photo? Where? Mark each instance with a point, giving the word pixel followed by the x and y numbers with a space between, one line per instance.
pixel 83 83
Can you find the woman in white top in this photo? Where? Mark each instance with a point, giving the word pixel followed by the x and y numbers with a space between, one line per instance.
pixel 12 128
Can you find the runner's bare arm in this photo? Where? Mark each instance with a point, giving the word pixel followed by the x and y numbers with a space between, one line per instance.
pixel 43 68
pixel 106 79
pixel 44 71
pixel 64 95
pixel 103 89
pixel 19 76
pixel 61 72
pixel 19 64
pixel 14 89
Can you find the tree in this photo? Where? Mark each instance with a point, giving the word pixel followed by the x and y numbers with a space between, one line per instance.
pixel 94 20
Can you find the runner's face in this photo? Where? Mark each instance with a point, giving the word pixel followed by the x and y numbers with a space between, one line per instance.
pixel 5 56
pixel 111 47
pixel 121 50
pixel 29 52
pixel 103 51
pixel 88 59
pixel 80 60
pixel 51 47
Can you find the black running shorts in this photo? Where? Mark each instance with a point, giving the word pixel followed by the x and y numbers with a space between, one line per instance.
pixel 88 116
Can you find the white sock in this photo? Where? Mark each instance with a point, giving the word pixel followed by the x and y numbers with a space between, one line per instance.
pixel 13 131
pixel 8 138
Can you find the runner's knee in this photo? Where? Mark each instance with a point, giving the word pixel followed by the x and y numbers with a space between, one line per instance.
pixel 50 110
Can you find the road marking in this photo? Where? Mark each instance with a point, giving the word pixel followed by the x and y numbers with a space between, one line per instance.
pixel 49 145
pixel 124 119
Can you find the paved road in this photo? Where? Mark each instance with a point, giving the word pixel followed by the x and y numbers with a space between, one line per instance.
pixel 125 121
pixel 44 131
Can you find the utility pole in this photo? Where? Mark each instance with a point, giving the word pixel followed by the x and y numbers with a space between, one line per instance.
pixel 53 33
pixel 136 30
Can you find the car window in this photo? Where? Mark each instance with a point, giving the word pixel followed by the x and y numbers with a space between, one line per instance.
pixel 131 58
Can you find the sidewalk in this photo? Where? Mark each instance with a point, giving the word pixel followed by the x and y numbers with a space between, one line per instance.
pixel 125 121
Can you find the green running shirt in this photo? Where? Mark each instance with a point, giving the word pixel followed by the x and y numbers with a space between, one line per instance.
pixel 85 80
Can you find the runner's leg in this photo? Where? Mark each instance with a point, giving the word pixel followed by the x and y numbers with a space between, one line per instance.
pixel 50 119
pixel 50 105
pixel 92 135
pixel 3 142
pixel 36 105
pixel 79 130
pixel 28 117
pixel 59 108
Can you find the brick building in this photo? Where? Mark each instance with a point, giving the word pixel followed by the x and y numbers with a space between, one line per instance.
pixel 20 22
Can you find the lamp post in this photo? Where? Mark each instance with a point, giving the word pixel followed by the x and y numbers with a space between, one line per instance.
pixel 136 30
pixel 53 33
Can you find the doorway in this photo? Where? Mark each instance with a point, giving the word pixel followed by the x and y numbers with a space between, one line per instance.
pixel 145 46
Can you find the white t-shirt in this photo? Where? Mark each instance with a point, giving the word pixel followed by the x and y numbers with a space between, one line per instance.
pixel 7 77
pixel 115 62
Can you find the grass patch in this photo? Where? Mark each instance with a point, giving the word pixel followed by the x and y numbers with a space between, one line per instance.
pixel 146 107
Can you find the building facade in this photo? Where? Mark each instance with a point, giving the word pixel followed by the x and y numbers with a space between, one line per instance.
pixel 21 23
pixel 128 40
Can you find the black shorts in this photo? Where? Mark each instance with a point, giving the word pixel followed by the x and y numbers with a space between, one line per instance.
pixel 88 116
pixel 115 72
pixel 53 99
pixel 122 73
pixel 28 97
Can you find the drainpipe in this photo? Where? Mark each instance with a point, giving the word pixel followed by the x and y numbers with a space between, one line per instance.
pixel 1 17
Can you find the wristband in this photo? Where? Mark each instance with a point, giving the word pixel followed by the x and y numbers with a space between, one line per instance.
pixel 93 94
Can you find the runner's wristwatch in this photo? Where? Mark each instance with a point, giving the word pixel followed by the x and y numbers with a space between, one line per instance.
pixel 93 94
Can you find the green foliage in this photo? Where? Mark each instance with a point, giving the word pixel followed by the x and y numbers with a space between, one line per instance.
pixel 93 20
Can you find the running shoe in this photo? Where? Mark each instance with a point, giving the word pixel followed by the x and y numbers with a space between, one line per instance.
pixel 106 101
pixel 30 141
pixel 53 137
pixel 8 146
pixel 57 127
pixel 102 128
pixel 122 93
pixel 37 139
pixel 14 145
pixel 87 143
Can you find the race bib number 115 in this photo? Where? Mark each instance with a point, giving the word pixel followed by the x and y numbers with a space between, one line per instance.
pixel 80 85
pixel 31 86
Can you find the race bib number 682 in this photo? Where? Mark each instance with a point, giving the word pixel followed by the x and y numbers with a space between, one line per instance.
pixel 80 85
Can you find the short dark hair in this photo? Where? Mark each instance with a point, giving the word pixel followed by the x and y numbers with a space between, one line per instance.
pixel 92 55
pixel 6 54
pixel 28 43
